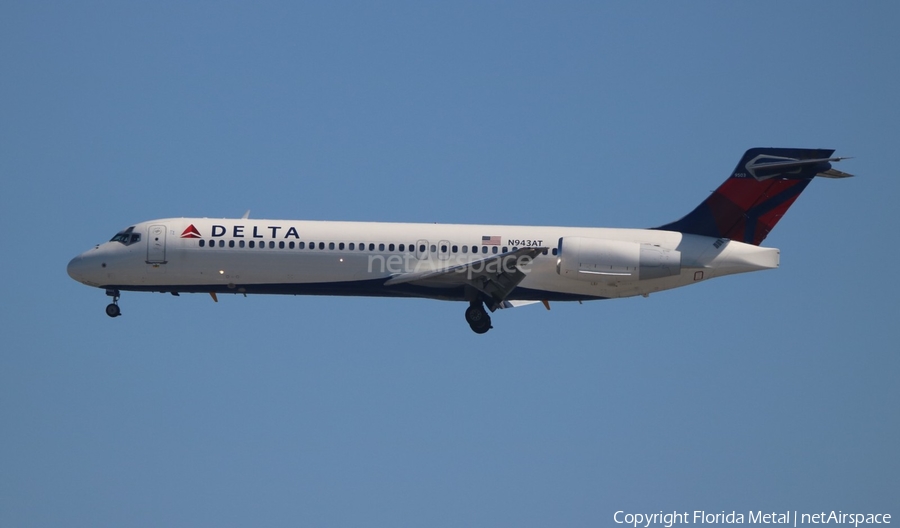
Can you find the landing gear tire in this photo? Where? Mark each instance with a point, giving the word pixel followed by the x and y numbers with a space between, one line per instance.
pixel 113 310
pixel 481 329
pixel 475 315
pixel 478 319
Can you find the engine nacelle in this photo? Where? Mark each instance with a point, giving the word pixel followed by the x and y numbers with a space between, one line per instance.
pixel 599 260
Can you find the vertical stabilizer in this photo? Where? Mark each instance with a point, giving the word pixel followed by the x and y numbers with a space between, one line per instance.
pixel 757 194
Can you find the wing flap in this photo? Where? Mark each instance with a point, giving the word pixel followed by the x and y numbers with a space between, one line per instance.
pixel 495 275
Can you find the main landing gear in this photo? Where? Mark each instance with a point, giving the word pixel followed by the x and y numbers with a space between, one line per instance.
pixel 112 309
pixel 478 318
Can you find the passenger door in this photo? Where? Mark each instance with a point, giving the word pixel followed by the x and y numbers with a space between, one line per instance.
pixel 156 244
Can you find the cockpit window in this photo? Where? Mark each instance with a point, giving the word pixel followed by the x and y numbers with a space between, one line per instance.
pixel 126 237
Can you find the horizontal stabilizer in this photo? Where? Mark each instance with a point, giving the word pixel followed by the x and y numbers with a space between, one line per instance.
pixel 765 166
pixel 834 173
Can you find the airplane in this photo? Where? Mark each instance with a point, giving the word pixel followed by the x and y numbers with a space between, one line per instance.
pixel 487 266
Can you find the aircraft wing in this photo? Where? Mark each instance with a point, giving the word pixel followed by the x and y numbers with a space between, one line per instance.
pixel 495 275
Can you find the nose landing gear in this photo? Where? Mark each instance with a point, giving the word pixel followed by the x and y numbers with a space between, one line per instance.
pixel 478 318
pixel 112 309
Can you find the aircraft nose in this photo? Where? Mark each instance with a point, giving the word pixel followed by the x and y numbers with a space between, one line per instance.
pixel 84 269
pixel 75 269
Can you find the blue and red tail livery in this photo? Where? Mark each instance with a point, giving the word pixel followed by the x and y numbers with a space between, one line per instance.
pixel 758 193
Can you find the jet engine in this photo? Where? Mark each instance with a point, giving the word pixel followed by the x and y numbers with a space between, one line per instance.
pixel 599 260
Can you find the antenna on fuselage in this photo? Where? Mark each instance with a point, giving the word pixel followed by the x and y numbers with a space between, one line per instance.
pixel 246 215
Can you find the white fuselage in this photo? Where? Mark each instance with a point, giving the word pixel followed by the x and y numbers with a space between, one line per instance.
pixel 357 258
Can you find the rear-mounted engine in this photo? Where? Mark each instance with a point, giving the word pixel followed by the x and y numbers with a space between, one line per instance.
pixel 598 260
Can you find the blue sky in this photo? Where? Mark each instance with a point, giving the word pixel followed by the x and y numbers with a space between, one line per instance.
pixel 769 391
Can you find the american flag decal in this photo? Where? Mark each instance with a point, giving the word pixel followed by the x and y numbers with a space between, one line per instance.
pixel 490 240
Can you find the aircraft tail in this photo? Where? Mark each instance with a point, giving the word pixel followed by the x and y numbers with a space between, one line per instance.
pixel 757 194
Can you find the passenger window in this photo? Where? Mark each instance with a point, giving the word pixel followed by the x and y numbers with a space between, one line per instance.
pixel 371 247
pixel 443 248
pixel 380 247
pixel 362 246
pixel 291 245
pixel 544 252
pixel 241 243
pixel 271 245
pixel 433 248
pixel 331 245
pixel 505 249
pixel 221 243
pixel 202 242
pixel 514 249
pixel 341 246
pixel 455 249
pixel 391 247
pixel 321 245
pixel 301 245
pixel 465 249
pixel 401 248
pixel 422 248
pixel 484 249
pixel 554 251
pixel 251 244
pixel 231 243
pixel 494 250
pixel 352 246
pixel 281 245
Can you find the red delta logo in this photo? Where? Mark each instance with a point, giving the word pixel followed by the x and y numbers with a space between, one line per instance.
pixel 190 232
